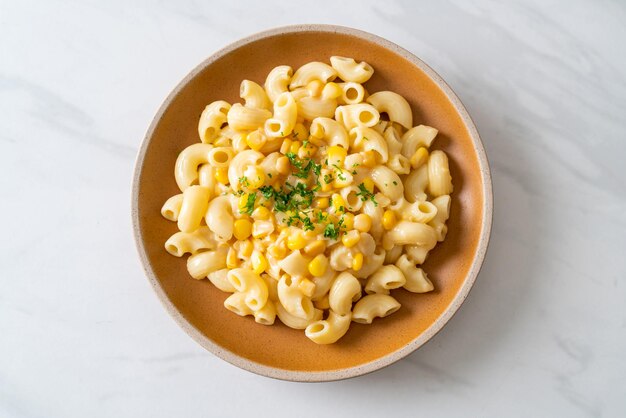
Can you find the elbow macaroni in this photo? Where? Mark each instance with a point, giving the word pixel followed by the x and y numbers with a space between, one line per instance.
pixel 301 198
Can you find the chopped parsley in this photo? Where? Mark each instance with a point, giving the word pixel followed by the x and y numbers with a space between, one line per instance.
pixel 328 178
pixel 244 181
pixel 366 195
pixel 269 175
pixel 303 167
pixel 249 207
pixel 395 183
pixel 332 230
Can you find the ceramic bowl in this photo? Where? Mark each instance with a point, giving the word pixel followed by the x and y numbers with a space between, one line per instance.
pixel 277 351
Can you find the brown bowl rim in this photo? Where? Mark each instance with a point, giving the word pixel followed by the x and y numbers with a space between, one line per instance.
pixel 386 360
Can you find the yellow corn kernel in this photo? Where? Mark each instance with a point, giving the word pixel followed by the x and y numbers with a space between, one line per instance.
pixel 296 241
pixel 277 251
pixel 295 146
pixel 318 266
pixel 261 213
pixel 369 159
pixel 348 221
pixel 336 155
pixel 369 184
pixel 357 262
pixel 256 140
pixel 389 219
pixel 331 91
pixel 307 151
pixel 221 175
pixel 300 132
pixel 419 158
pixel 243 202
pixel 242 229
pixel 245 248
pixel 315 248
pixel 323 303
pixel 363 222
pixel 231 258
pixel 338 203
pixel 259 262
pixel 327 187
pixel 283 165
pixel 351 238
pixel 321 203
pixel 286 146
pixel 315 88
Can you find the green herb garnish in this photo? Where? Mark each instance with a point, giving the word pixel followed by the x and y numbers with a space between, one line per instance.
pixel 366 195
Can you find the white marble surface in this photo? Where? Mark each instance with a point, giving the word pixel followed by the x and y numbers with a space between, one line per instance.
pixel 542 334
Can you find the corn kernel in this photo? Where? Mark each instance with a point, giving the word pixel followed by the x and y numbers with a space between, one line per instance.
pixel 369 184
pixel 363 222
pixel 307 287
pixel 256 140
pixel 315 88
pixel 419 158
pixel 342 179
pixel 295 146
pixel 331 91
pixel 255 177
pixel 231 258
pixel 389 219
pixel 283 165
pixel 357 262
pixel 259 262
pixel 327 187
pixel 318 266
pixel 315 248
pixel 242 229
pixel 338 203
pixel 348 221
pixel 245 248
pixel 243 202
pixel 300 132
pixel 351 238
pixel 286 146
pixel 336 155
pixel 321 203
pixel 221 175
pixel 277 251
pixel 261 213
pixel 296 242
pixel 369 159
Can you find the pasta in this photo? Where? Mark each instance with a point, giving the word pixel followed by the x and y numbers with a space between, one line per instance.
pixel 304 205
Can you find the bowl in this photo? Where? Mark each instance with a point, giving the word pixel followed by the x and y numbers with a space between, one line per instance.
pixel 278 351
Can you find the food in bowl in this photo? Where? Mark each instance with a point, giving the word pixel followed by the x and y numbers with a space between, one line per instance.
pixel 305 203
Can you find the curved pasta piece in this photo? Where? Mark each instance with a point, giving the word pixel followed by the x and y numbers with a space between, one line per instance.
pixel 340 258
pixel 219 278
pixel 399 164
pixel 236 304
pixel 187 163
pixel 442 203
pixel 219 217
pixel 392 255
pixel 284 119
pixel 310 108
pixel 293 299
pixel 193 207
pixel 349 70
pixel 415 184
pixel 295 264
pixel 396 107
pixel 330 330
pixel 254 95
pixel 293 321
pixel 244 118
pixel 384 279
pixel 312 71
pixel 330 131
pixel 374 262
pixel 393 139
pixel 266 315
pixel 421 211
pixel 277 81
pixel 416 279
pixel 439 178
pixel 323 283
pixel 190 242
pixel 368 139
pixel 248 282
pixel 419 136
pixel 220 157
pixel 388 182
pixel 171 207
pixel 344 290
pixel 202 264
pixel 351 93
pixel 374 306
pixel 211 120
pixel 239 164
pixel 361 114
pixel 416 253
pixel 412 233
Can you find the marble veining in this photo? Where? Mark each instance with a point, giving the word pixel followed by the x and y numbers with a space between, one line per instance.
pixel 543 333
